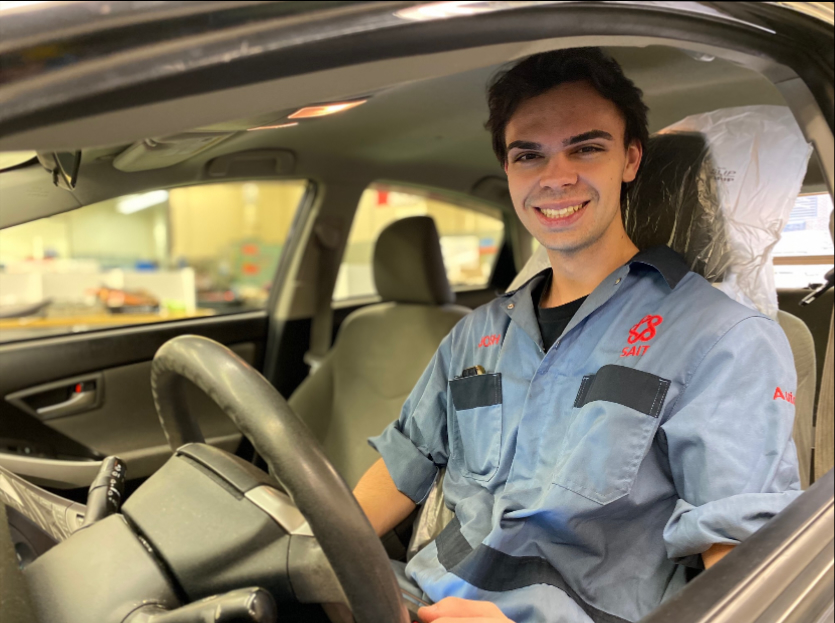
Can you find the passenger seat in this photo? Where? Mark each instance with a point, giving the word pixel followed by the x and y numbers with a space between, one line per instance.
pixel 381 350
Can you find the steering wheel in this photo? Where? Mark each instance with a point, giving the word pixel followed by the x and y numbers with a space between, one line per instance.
pixel 294 456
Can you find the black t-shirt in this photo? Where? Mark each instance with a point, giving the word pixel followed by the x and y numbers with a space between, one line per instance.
pixel 552 320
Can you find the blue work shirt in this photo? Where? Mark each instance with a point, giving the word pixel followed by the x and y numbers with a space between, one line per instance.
pixel 585 479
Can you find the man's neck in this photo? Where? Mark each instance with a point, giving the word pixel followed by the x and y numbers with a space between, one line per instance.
pixel 578 273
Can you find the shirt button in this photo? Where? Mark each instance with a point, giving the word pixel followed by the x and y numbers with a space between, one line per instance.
pixel 619 280
pixel 510 306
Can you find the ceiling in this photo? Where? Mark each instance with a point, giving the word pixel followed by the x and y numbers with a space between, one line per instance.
pixel 440 121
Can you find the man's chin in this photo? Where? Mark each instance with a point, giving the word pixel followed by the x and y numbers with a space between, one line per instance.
pixel 566 244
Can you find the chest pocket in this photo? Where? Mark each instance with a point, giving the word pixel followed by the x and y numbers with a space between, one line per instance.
pixel 477 424
pixel 614 420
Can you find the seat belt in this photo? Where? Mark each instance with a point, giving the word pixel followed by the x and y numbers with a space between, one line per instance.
pixel 825 425
pixel 327 233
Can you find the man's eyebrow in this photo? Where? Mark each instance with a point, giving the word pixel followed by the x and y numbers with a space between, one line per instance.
pixel 587 136
pixel 573 140
pixel 524 145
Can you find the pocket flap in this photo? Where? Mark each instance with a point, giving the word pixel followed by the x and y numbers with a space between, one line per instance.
pixel 637 390
pixel 482 390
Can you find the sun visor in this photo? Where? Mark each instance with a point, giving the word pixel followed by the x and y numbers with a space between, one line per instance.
pixel 166 151
pixel 719 188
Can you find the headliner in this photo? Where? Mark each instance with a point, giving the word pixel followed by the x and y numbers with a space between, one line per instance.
pixel 422 125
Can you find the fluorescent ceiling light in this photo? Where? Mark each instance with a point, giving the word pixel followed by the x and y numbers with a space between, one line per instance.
pixel 135 203
pixel 325 109
pixel 274 127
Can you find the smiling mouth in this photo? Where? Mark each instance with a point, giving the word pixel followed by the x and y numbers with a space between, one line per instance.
pixel 562 212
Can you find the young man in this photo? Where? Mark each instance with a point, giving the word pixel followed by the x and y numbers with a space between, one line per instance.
pixel 618 424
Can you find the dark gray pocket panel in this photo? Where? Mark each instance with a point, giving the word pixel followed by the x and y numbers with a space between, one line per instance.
pixel 483 390
pixel 637 390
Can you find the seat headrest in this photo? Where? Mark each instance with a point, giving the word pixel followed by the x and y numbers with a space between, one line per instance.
pixel 668 204
pixel 408 265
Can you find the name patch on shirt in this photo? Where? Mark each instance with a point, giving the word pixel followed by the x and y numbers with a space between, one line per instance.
pixel 489 340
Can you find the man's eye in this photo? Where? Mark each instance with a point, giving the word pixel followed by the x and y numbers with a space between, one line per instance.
pixel 589 149
pixel 525 156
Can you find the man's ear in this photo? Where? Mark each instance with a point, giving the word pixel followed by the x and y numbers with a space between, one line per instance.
pixel 634 153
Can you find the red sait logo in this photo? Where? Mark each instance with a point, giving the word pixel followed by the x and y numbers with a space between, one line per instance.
pixel 779 394
pixel 644 331
pixel 489 340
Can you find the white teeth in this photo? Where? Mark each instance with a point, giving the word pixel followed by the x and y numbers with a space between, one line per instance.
pixel 560 213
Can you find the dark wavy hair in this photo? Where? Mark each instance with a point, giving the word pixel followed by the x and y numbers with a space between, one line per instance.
pixel 539 73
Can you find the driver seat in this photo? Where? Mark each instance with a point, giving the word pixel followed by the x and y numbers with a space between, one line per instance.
pixel 381 350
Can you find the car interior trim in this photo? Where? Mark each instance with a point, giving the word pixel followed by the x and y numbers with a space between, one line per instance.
pixel 742 586
pixel 280 507
pixel 25 363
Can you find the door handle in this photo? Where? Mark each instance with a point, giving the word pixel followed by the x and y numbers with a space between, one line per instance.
pixel 61 398
pixel 77 402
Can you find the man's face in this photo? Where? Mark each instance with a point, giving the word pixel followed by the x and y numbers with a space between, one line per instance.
pixel 565 164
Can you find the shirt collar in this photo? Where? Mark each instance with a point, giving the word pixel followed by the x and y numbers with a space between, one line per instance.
pixel 519 306
pixel 666 261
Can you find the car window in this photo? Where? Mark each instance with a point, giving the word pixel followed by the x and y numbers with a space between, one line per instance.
pixel 471 236
pixel 804 253
pixel 160 255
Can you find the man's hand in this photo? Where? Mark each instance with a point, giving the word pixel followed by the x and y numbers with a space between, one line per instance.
pixel 457 610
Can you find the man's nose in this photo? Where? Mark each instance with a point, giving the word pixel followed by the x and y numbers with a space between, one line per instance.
pixel 558 173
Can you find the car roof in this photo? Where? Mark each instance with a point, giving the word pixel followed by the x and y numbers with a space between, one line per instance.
pixel 422 124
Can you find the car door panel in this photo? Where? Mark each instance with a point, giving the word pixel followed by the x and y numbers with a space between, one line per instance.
pixel 123 420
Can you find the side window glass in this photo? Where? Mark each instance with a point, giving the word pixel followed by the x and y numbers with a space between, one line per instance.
pixel 161 255
pixel 471 236
pixel 804 253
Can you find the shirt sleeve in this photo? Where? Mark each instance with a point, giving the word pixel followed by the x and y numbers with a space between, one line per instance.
pixel 729 441
pixel 416 445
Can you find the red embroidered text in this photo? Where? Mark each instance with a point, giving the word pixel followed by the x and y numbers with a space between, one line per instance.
pixel 634 351
pixel 489 340
pixel 779 394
